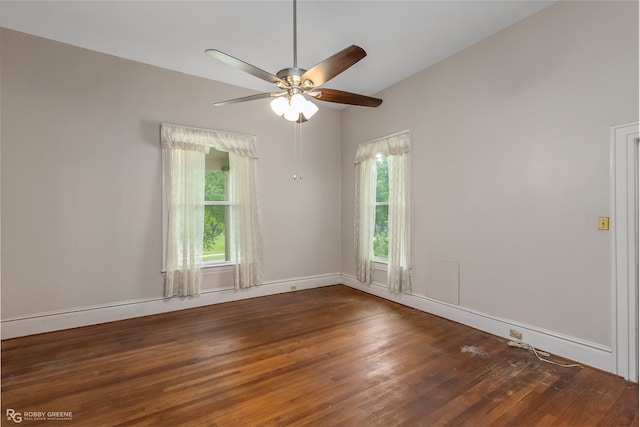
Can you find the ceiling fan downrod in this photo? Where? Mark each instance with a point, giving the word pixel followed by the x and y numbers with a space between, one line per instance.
pixel 295 34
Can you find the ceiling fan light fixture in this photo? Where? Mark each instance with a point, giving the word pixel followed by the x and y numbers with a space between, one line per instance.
pixel 292 106
pixel 280 105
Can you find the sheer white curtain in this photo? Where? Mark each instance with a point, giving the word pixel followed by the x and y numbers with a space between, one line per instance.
pixel 396 148
pixel 183 258
pixel 246 231
pixel 365 211
pixel 184 180
pixel 398 269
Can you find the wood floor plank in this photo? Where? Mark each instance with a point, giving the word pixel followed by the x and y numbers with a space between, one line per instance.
pixel 329 356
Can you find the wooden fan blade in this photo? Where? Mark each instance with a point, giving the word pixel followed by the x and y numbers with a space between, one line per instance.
pixel 246 67
pixel 334 65
pixel 249 98
pixel 342 97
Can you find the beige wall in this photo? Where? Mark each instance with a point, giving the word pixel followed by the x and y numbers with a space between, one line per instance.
pixel 510 156
pixel 81 176
pixel 510 171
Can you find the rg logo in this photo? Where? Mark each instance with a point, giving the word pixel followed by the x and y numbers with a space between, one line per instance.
pixel 14 416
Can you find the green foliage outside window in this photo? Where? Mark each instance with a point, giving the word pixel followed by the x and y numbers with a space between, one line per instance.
pixel 213 243
pixel 215 186
pixel 381 225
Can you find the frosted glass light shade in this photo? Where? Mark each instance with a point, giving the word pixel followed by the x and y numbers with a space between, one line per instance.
pixel 297 103
pixel 292 115
pixel 279 105
pixel 309 109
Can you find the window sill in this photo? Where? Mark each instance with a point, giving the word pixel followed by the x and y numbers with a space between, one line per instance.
pixel 216 265
pixel 211 267
pixel 380 264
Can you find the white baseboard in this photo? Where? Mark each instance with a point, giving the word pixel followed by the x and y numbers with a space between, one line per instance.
pixel 84 316
pixel 582 351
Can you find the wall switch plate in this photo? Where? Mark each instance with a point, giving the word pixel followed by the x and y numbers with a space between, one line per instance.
pixel 603 223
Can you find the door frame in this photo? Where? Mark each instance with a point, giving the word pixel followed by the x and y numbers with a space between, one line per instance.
pixel 624 166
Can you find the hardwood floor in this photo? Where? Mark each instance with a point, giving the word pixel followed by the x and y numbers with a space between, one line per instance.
pixel 330 356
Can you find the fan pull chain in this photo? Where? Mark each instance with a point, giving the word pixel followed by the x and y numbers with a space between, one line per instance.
pixel 300 148
pixel 297 151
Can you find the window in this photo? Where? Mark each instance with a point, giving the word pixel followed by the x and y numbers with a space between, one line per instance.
pixel 381 221
pixel 215 236
pixel 382 209
pixel 210 213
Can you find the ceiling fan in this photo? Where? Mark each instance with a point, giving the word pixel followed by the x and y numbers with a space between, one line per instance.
pixel 296 84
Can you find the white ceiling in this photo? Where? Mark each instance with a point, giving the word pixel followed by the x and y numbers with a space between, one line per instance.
pixel 400 37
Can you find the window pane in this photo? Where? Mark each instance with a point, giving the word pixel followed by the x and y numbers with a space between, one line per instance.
pixel 215 179
pixel 381 232
pixel 214 241
pixel 215 186
pixel 382 176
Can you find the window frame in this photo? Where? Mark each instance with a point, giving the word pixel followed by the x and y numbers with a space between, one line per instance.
pixel 396 148
pixel 165 223
pixel 227 245
pixel 227 214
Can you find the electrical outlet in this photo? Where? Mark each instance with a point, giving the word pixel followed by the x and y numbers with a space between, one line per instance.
pixel 515 334
pixel 294 287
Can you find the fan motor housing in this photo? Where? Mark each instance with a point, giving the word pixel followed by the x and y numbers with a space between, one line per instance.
pixel 291 75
